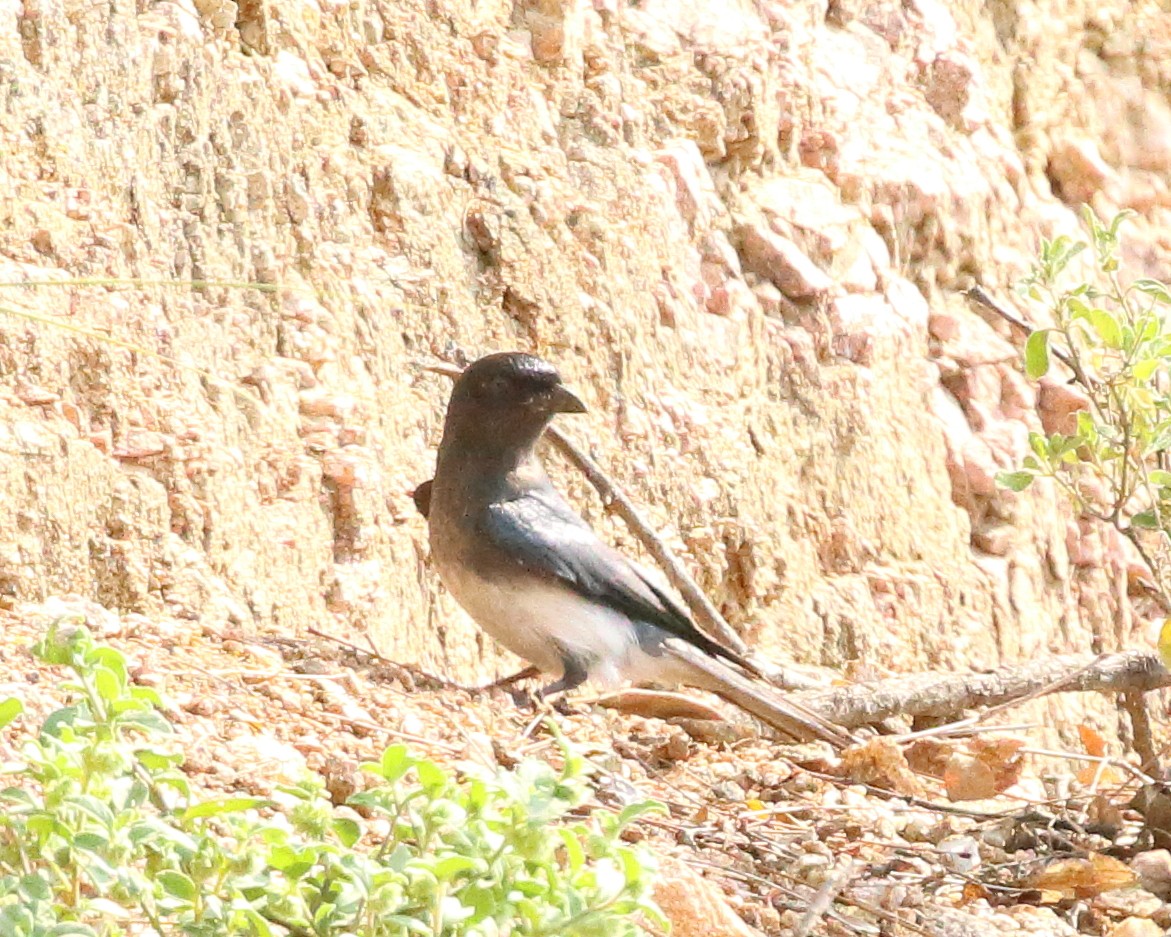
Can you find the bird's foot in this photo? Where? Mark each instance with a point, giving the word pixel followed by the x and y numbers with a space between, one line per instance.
pixel 505 683
pixel 526 700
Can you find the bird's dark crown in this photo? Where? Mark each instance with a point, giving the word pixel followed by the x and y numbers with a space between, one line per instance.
pixel 506 378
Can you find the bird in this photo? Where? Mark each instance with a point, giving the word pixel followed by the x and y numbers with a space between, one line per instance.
pixel 535 576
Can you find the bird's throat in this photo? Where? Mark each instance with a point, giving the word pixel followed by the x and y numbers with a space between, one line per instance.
pixel 491 468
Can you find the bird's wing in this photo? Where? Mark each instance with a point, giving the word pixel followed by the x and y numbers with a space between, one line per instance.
pixel 542 534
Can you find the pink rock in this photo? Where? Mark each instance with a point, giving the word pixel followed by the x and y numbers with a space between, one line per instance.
pixel 860 276
pixel 1007 439
pixel 1018 398
pixel 1083 543
pixel 731 298
pixel 864 325
pixel 782 262
pixel 1078 170
pixel 996 539
pixel 977 385
pixel 1058 404
pixel 943 325
pixel 695 192
pixel 142 444
pixel 950 87
pixel 908 303
pixel 980 468
pixel 548 38
pixel 347 469
pixel 322 403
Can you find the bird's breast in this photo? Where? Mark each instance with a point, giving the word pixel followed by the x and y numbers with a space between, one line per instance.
pixel 547 623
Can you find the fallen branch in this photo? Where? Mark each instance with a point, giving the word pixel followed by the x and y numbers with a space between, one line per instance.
pixel 943 696
pixel 936 696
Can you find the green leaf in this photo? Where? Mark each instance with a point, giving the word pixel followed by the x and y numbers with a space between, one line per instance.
pixel 35 888
pixel 17 795
pixel 95 807
pixel 1153 288
pixel 448 868
pixel 1060 445
pixel 158 833
pixel 347 831
pixel 1107 327
pixel 1160 477
pixel 147 695
pixel 1077 308
pixel 223 805
pixel 106 682
pixel 257 925
pixel 431 776
pixel 1015 481
pixel 574 855
pixel 65 643
pixel 1143 370
pixel 176 884
pixel 152 722
pixel 1085 426
pixel 638 809
pixel 1162 438
pixel 1040 446
pixel 9 710
pixel 1146 520
pixel 1037 354
pixel 110 658
pixel 157 761
pixel 91 842
pixel 395 762
pixel 1116 222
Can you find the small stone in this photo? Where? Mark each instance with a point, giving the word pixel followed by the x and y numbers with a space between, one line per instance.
pixel 996 540
pixel 319 402
pixel 960 853
pixel 1136 927
pixel 811 868
pixel 1154 871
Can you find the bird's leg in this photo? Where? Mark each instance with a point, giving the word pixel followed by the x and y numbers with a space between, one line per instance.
pixel 504 683
pixel 573 676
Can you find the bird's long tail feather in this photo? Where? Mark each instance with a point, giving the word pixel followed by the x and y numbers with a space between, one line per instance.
pixel 754 696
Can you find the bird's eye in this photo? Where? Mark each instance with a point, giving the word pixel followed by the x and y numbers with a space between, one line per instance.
pixel 497 387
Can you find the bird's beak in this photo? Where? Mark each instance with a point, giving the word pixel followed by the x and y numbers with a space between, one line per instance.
pixel 565 401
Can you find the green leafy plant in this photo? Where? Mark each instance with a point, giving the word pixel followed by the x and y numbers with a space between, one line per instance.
pixel 1111 339
pixel 101 834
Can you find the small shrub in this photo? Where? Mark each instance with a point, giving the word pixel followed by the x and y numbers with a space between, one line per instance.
pixel 101 835
pixel 1111 339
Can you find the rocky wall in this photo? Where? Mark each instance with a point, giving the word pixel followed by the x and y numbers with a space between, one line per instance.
pixel 742 230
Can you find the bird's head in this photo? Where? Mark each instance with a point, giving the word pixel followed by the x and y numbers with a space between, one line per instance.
pixel 508 398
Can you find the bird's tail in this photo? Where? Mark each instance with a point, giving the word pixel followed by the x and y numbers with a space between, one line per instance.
pixel 753 696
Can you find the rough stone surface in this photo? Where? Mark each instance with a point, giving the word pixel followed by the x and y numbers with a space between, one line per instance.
pixel 408 177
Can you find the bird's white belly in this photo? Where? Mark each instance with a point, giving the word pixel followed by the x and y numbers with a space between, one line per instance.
pixel 544 622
